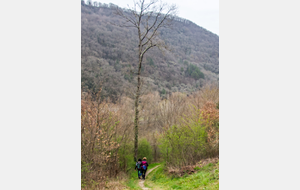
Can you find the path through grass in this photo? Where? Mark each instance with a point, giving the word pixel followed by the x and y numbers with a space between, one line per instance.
pixel 133 182
pixel 141 183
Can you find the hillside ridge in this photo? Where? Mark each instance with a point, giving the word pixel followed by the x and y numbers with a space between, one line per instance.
pixel 109 57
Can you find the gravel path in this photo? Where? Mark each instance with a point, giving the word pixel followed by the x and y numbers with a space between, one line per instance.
pixel 141 183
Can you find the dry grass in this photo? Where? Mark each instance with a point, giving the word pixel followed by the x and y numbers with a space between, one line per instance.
pixel 113 184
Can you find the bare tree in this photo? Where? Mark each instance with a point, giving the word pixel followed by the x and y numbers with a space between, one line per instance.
pixel 147 18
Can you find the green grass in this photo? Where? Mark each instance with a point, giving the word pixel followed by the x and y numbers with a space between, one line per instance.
pixel 153 165
pixel 133 180
pixel 206 177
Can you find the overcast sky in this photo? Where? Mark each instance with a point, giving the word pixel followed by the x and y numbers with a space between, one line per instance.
pixel 204 13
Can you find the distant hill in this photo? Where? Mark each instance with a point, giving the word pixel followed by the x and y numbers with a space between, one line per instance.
pixel 109 57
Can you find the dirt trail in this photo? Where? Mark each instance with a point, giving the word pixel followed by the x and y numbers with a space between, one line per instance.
pixel 141 183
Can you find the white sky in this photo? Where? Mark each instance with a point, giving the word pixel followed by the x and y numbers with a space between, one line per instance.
pixel 204 13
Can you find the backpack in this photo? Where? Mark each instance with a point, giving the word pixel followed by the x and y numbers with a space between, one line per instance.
pixel 144 165
pixel 139 165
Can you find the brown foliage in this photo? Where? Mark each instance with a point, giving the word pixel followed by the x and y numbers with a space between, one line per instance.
pixel 100 128
pixel 97 139
pixel 210 116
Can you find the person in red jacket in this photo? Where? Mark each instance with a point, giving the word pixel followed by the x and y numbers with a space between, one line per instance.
pixel 144 167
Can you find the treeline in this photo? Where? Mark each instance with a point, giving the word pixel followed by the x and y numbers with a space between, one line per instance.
pixel 111 6
pixel 180 131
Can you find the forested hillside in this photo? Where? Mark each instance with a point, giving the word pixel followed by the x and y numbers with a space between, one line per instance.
pixel 109 57
pixel 170 116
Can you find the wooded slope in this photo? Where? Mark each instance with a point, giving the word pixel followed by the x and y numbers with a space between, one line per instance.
pixel 109 56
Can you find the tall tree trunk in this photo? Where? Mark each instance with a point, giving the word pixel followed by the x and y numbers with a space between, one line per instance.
pixel 136 119
pixel 147 36
pixel 136 123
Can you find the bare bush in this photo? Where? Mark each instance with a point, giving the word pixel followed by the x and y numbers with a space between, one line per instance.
pixel 101 135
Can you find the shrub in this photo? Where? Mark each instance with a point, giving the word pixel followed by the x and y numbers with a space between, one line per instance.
pixel 183 145
pixel 98 148
pixel 196 138
pixel 145 150
pixel 126 155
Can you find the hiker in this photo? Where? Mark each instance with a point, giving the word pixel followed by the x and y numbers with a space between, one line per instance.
pixel 144 167
pixel 138 166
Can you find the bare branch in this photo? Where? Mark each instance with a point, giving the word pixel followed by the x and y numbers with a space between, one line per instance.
pixel 160 23
pixel 140 17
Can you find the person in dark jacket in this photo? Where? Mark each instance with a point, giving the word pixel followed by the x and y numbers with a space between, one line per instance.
pixel 138 166
pixel 144 167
